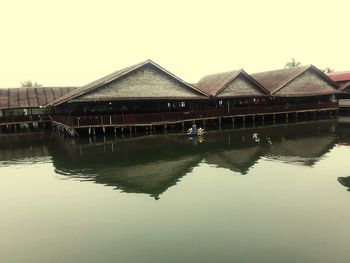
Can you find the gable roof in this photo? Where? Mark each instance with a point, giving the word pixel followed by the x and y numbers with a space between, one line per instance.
pixel 339 76
pixel 213 84
pixel 31 97
pixel 277 79
pixel 116 75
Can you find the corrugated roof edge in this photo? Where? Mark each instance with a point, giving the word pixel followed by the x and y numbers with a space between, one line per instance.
pixel 113 76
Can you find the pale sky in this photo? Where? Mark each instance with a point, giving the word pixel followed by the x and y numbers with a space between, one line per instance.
pixel 70 43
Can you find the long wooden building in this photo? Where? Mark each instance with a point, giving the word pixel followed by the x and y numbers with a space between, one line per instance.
pixel 26 105
pixel 147 95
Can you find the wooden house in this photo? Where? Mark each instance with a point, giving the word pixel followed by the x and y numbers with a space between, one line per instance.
pixel 298 85
pixel 141 88
pixel 148 95
pixel 18 105
pixel 340 78
pixel 233 89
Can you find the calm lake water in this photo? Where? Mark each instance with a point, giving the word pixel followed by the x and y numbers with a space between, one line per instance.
pixel 268 194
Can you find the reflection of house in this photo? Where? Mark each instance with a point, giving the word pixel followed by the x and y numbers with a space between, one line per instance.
pixel 237 160
pixel 152 164
pixel 345 181
pixel 152 178
pixel 23 146
pixel 305 150
pixel 137 165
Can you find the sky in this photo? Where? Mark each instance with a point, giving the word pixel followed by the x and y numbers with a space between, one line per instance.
pixel 71 43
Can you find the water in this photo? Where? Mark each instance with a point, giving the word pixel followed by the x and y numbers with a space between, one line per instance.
pixel 269 194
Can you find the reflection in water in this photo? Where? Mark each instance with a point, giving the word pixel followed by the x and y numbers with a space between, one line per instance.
pixel 152 164
pixel 268 194
pixel 24 148
pixel 345 181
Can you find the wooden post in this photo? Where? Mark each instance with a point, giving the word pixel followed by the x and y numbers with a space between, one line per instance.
pixel 274 119
pixel 166 128
pixel 104 129
pixel 233 122
pixel 263 119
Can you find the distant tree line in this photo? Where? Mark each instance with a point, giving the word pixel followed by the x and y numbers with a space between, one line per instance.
pixel 30 84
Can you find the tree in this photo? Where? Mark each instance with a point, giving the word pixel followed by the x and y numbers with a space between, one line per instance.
pixel 292 64
pixel 327 70
pixel 30 84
